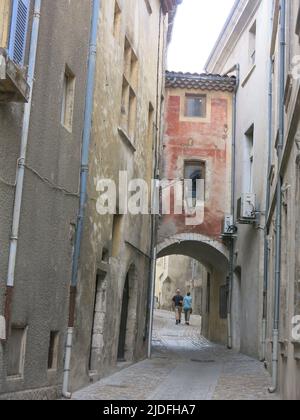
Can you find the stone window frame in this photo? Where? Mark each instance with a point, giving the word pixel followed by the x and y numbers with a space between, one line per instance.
pixel 203 109
pixel 129 97
pixel 197 92
pixel 208 161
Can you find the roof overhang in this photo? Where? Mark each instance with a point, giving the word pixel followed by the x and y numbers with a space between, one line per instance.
pixel 205 82
pixel 241 13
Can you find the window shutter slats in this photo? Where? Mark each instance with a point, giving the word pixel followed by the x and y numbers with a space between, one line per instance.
pixel 18 32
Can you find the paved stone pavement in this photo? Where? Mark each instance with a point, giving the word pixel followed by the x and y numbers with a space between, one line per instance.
pixel 184 366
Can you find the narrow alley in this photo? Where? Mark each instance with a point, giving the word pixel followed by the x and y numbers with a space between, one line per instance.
pixel 149 170
pixel 184 366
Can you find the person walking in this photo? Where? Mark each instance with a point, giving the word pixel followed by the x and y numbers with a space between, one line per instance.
pixel 178 304
pixel 187 307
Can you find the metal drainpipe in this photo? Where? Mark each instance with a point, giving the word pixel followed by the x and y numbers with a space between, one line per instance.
pixel 88 114
pixel 268 199
pixel 156 177
pixel 231 260
pixel 274 387
pixel 21 164
pixel 266 243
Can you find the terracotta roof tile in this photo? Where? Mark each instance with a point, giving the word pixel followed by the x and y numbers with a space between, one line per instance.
pixel 202 81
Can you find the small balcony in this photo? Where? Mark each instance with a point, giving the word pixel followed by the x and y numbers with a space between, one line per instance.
pixel 13 84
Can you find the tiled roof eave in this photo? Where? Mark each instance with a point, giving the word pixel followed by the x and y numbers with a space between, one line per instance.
pixel 211 82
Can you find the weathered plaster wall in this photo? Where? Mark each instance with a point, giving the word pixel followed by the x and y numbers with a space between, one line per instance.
pixel 109 154
pixel 44 257
pixel 4 22
pixel 289 367
pixel 209 141
pixel 252 109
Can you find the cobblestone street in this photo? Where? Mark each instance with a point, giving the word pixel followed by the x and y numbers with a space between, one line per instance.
pixel 184 366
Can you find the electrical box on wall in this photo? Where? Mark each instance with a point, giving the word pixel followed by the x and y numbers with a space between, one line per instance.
pixel 246 209
pixel 228 225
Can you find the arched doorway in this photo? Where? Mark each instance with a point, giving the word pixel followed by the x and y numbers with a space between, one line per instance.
pixel 214 256
pixel 99 317
pixel 123 322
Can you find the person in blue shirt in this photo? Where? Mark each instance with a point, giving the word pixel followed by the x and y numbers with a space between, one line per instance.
pixel 187 307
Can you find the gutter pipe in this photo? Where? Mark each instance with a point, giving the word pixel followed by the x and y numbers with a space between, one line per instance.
pixel 275 358
pixel 268 200
pixel 84 172
pixel 155 204
pixel 235 68
pixel 13 247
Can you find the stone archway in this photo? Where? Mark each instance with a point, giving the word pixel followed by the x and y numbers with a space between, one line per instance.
pixel 209 252
pixel 214 256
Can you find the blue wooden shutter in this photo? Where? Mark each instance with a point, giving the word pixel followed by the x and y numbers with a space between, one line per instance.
pixel 18 32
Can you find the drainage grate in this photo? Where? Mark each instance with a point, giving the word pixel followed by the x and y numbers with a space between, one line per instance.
pixel 202 361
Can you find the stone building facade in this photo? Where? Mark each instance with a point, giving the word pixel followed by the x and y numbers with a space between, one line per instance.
pixel 113 293
pixel 197 146
pixel 284 171
pixel 31 359
pixel 36 307
pixel 266 288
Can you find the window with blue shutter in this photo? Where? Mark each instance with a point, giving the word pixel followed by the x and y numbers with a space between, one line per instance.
pixel 18 31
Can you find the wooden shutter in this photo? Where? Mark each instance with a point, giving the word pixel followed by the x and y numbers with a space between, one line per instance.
pixel 18 32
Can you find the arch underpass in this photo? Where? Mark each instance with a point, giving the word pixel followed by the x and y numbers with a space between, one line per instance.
pixel 209 252
pixel 214 256
pixel 197 146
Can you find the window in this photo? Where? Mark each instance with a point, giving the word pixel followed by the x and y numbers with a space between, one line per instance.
pixel 248 160
pixel 195 106
pixel 53 350
pixel 194 171
pixel 252 44
pixel 148 6
pixel 117 20
pixel 150 123
pixel 16 352
pixel 129 100
pixel 116 235
pixel 297 30
pixel 68 100
pixel 18 31
pixel 223 302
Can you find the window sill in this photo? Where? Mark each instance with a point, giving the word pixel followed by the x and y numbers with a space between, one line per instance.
pixel 68 130
pixel 126 139
pixel 247 78
pixel 15 378
pixel 13 84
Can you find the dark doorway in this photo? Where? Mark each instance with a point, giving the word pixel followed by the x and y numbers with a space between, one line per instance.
pixel 123 324
pixel 97 341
